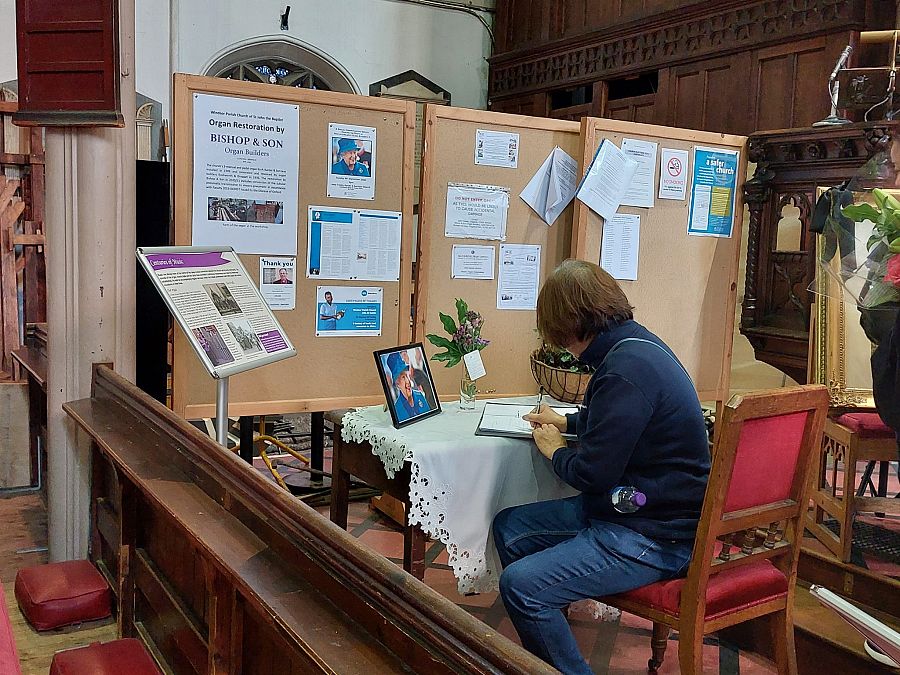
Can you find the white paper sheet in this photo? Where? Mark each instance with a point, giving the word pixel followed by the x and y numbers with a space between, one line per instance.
pixel 474 365
pixel 553 186
pixel 640 192
pixel 673 174
pixel 354 244
pixel 517 281
pixel 496 148
pixel 606 181
pixel 246 166
pixel 277 281
pixel 620 246
pixel 351 161
pixel 476 211
pixel 472 262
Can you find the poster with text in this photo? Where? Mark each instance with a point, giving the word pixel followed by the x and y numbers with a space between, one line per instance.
pixel 246 167
pixel 476 211
pixel 519 276
pixel 277 281
pixel 218 306
pixel 496 148
pixel 348 311
pixel 353 244
pixel 351 161
pixel 713 194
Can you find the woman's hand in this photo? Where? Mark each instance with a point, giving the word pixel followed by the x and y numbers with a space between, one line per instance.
pixel 548 439
pixel 546 415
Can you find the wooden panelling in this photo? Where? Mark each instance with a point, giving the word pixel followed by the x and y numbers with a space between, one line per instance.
pixel 534 105
pixel 633 109
pixel 711 95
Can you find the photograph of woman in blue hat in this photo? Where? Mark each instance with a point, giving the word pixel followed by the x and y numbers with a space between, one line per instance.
pixel 405 392
pixel 348 163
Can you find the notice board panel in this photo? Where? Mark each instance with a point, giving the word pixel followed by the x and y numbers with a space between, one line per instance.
pixel 686 286
pixel 327 373
pixel 450 138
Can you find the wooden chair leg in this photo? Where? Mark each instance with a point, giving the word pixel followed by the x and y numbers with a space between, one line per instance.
pixel 658 644
pixel 690 650
pixel 782 627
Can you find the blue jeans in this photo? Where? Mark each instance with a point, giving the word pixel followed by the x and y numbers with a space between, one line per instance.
pixel 553 555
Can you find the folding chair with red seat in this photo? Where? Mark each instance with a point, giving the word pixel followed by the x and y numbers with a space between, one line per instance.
pixel 744 562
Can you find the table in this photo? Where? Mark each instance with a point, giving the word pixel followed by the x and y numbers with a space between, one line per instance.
pixel 451 482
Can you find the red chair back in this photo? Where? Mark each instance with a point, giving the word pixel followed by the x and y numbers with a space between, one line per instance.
pixel 758 485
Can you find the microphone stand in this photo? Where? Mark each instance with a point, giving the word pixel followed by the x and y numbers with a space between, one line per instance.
pixel 834 119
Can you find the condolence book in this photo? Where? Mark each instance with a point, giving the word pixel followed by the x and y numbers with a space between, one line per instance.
pixel 505 419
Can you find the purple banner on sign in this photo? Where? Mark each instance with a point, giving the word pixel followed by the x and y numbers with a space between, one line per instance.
pixel 168 261
pixel 272 341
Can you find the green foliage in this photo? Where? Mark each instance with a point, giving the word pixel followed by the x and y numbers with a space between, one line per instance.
pixel 882 245
pixel 464 337
pixel 562 359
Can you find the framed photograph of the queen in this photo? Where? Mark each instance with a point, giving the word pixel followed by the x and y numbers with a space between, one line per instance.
pixel 407 382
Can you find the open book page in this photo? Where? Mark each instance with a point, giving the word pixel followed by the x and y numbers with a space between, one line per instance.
pixel 506 418
pixel 883 636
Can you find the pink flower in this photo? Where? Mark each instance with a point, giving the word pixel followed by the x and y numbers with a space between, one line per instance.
pixel 893 271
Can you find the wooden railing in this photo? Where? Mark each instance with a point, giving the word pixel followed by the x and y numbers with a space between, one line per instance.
pixel 219 571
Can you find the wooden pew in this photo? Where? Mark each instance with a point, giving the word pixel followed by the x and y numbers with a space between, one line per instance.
pixel 218 571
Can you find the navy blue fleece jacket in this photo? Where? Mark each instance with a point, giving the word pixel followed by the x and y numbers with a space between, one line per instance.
pixel 641 424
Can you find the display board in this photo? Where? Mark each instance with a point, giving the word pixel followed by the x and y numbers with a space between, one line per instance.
pixel 451 135
pixel 333 368
pixel 685 290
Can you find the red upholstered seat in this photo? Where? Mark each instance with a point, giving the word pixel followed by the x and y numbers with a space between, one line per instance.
pixel 59 594
pixel 9 656
pixel 110 658
pixel 867 425
pixel 728 591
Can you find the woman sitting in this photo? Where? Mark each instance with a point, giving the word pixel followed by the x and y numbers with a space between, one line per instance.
pixel 641 426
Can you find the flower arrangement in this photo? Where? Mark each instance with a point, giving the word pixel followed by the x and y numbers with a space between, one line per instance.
pixel 464 338
pixel 883 261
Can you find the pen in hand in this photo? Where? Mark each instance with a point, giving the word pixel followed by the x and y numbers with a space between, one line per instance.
pixel 537 408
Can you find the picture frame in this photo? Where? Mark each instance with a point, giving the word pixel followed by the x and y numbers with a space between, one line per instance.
pixel 408 384
pixel 840 351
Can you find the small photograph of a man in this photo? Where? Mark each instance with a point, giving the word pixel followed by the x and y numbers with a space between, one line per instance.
pixel 278 275
pixel 329 314
pixel 222 299
pixel 213 344
pixel 345 158
pixel 245 336
pixel 410 401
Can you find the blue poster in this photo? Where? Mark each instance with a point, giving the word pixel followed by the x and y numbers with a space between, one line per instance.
pixel 348 311
pixel 713 192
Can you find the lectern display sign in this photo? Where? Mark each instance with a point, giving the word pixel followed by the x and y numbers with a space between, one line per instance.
pixel 218 306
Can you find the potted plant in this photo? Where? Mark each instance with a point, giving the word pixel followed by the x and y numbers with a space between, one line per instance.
pixel 464 338
pixel 560 373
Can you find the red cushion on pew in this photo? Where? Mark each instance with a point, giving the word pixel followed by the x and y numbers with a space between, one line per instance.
pixel 867 425
pixel 730 590
pixel 59 594
pixel 9 657
pixel 110 658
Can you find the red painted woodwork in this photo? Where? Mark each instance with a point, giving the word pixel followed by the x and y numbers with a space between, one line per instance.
pixel 68 57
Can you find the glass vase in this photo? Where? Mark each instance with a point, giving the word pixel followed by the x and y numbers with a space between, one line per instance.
pixel 467 390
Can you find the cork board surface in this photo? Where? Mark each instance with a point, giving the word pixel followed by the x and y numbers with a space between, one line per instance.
pixel 686 286
pixel 449 157
pixel 327 373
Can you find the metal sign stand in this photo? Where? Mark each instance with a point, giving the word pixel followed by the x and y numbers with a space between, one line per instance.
pixel 222 411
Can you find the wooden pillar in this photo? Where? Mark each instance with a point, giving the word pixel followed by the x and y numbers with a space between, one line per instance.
pixel 90 175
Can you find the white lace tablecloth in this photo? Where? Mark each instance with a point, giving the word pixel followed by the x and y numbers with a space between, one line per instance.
pixel 459 481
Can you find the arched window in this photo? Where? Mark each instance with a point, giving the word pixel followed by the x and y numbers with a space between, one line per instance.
pixel 281 61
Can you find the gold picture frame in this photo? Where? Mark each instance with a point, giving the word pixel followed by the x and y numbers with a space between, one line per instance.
pixel 841 352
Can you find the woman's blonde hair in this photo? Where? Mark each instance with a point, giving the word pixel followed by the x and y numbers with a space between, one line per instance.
pixel 579 300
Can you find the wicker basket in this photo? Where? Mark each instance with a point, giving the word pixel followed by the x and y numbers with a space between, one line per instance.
pixel 563 385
